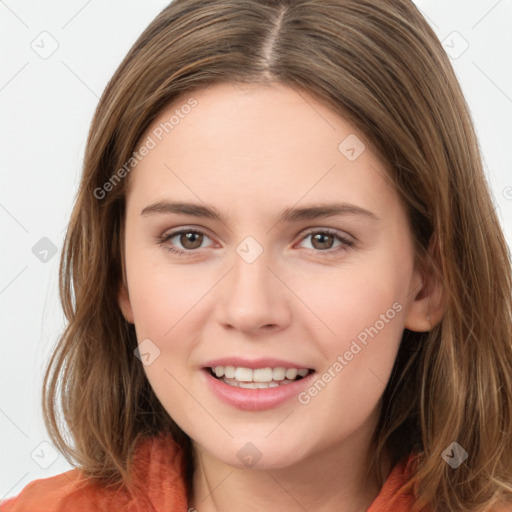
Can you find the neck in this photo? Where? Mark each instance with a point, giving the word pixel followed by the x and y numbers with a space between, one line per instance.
pixel 332 479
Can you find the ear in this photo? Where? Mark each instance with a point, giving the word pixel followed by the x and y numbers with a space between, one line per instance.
pixel 426 302
pixel 123 299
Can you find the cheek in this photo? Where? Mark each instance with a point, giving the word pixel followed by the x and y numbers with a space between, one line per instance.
pixel 164 301
pixel 349 299
pixel 162 293
pixel 363 307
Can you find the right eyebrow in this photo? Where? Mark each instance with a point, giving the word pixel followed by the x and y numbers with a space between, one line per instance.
pixel 195 210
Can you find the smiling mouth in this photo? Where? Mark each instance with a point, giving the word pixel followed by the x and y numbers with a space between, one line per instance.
pixel 258 378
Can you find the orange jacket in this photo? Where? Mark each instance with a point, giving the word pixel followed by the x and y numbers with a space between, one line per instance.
pixel 158 476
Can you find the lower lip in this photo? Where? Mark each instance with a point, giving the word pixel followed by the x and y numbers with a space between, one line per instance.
pixel 255 399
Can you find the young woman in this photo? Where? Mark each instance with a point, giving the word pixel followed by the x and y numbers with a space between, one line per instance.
pixel 286 285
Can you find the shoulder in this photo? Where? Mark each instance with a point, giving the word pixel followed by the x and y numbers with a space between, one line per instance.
pixel 397 496
pixel 157 477
pixel 67 491
pixel 391 497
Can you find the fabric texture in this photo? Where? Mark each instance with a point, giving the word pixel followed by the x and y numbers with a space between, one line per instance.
pixel 159 487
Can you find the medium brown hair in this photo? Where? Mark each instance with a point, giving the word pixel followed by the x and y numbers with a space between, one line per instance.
pixel 378 64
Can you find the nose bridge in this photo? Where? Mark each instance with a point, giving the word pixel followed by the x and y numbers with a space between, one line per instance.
pixel 252 296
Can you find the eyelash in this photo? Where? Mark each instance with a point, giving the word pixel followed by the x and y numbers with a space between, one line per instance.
pixel 346 244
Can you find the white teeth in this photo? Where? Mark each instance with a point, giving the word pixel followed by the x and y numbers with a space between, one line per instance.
pixel 249 385
pixel 258 378
pixel 262 375
pixel 291 373
pixel 255 385
pixel 229 372
pixel 243 374
pixel 278 373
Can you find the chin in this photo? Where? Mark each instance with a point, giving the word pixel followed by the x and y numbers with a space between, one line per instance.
pixel 260 453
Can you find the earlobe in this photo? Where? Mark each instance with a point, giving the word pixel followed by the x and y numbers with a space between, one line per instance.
pixel 426 304
pixel 123 300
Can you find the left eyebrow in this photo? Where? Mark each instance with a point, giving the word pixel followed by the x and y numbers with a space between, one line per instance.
pixel 315 211
pixel 321 211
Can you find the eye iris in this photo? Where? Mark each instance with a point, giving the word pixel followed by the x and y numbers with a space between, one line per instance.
pixel 191 236
pixel 320 236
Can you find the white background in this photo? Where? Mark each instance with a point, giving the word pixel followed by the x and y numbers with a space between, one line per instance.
pixel 47 105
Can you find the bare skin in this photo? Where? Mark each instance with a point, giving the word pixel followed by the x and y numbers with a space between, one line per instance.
pixel 250 152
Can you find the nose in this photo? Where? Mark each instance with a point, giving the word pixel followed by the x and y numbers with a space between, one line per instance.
pixel 253 297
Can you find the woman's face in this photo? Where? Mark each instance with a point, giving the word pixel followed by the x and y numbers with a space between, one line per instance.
pixel 267 280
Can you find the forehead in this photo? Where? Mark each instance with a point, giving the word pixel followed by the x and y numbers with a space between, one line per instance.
pixel 241 144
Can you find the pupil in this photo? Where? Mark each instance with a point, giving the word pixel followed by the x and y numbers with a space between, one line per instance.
pixel 318 237
pixel 189 238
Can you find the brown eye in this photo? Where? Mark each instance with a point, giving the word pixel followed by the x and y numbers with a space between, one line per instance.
pixel 183 242
pixel 191 239
pixel 322 241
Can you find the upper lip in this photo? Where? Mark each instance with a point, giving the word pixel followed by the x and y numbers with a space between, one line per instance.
pixel 266 362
